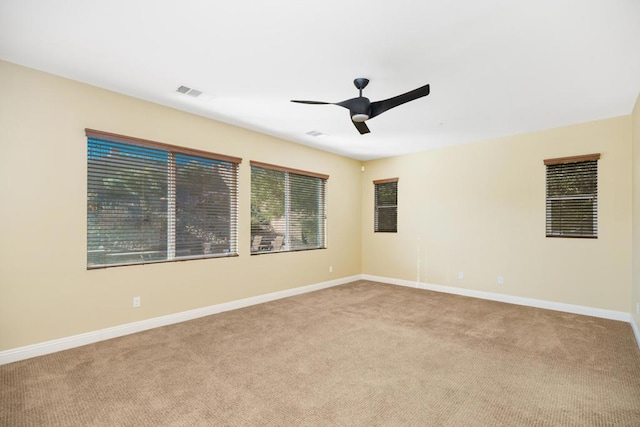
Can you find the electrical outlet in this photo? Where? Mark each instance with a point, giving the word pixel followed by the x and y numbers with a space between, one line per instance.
pixel 638 308
pixel 500 280
pixel 331 269
pixel 461 275
pixel 136 302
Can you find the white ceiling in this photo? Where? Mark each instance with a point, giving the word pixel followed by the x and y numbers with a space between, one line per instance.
pixel 495 67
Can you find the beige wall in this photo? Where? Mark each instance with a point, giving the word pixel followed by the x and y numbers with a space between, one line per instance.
pixel 480 209
pixel 477 208
pixel 46 291
pixel 635 302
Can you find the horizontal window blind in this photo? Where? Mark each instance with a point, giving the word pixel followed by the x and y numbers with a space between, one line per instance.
pixel 572 197
pixel 149 203
pixel 206 206
pixel 288 211
pixel 386 205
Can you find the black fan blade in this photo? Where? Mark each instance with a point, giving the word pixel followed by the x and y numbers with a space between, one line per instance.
pixel 361 126
pixel 380 107
pixel 310 102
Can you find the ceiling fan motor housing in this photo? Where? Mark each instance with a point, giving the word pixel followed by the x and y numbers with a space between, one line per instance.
pixel 358 107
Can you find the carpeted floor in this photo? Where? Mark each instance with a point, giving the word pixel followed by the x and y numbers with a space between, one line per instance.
pixel 361 354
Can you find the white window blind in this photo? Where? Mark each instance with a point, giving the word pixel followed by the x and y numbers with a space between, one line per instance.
pixel 152 202
pixel 287 209
pixel 386 205
pixel 572 196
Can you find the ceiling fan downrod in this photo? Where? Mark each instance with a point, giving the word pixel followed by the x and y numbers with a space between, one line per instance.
pixel 360 83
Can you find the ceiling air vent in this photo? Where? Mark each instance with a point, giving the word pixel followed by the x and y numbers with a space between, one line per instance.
pixel 189 91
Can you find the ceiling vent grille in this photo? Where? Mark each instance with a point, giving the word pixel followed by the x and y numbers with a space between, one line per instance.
pixel 189 91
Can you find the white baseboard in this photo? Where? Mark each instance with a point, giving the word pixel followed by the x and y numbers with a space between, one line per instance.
pixel 531 302
pixel 47 347
pixel 636 330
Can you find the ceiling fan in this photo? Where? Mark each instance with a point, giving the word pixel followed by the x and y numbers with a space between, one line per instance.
pixel 361 109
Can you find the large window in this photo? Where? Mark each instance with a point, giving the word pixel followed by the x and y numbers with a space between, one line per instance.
pixel 386 205
pixel 152 202
pixel 287 209
pixel 572 196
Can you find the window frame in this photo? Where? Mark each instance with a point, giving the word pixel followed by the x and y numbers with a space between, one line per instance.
pixel 286 243
pixel 591 159
pixel 171 210
pixel 377 207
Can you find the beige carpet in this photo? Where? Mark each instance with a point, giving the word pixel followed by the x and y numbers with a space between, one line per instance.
pixel 361 354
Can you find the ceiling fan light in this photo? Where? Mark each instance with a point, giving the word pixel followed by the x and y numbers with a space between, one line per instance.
pixel 359 118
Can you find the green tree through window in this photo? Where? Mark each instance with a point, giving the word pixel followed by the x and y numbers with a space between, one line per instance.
pixel 386 205
pixel 287 210
pixel 152 204
pixel 572 197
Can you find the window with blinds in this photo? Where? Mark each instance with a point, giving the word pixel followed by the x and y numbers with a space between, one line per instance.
pixel 572 196
pixel 386 205
pixel 288 209
pixel 152 202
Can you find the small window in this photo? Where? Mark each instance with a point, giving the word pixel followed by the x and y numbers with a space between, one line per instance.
pixel 386 205
pixel 151 202
pixel 572 196
pixel 287 209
